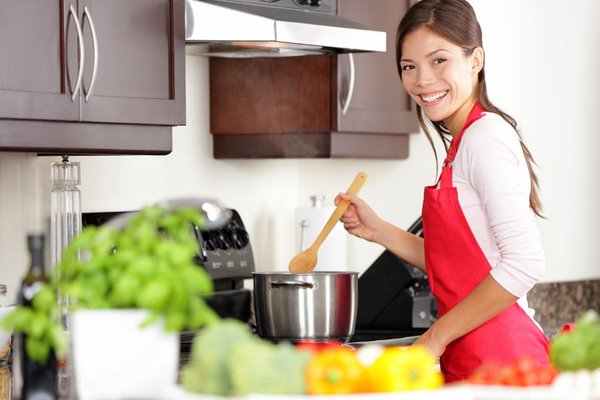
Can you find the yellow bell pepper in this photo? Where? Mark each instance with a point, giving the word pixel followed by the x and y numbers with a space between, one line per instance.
pixel 403 368
pixel 334 371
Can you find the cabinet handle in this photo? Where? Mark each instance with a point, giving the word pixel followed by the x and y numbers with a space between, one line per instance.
pixel 86 13
pixel 346 103
pixel 73 12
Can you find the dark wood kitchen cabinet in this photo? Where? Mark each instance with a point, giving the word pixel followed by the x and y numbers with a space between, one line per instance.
pixel 302 107
pixel 91 76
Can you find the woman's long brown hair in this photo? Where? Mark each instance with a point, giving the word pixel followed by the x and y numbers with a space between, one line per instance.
pixel 455 20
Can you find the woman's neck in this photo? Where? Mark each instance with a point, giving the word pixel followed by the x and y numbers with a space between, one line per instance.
pixel 458 119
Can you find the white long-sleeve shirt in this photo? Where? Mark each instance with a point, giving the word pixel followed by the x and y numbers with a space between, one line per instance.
pixel 493 185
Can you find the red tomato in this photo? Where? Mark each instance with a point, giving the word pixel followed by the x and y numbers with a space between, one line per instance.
pixel 568 327
pixel 486 374
pixel 547 374
pixel 510 376
pixel 525 371
pixel 316 346
pixel 525 365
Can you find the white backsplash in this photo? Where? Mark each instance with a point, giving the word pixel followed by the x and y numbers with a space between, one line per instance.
pixel 23 209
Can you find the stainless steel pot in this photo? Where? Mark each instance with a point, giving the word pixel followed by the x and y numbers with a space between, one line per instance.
pixel 317 305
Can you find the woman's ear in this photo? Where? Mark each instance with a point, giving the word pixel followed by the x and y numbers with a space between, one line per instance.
pixel 478 59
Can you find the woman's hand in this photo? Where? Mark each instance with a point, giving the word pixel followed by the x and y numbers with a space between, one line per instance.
pixel 487 300
pixel 435 347
pixel 359 219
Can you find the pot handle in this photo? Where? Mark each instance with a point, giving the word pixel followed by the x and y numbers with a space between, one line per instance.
pixel 294 284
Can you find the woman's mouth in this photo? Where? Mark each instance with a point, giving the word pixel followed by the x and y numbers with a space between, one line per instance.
pixel 433 97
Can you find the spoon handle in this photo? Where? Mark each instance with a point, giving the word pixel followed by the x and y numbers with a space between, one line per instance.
pixel 356 185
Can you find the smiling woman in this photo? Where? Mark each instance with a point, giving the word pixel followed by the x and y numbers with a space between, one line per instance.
pixel 481 248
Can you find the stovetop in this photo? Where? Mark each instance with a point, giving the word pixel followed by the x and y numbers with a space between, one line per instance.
pixel 361 335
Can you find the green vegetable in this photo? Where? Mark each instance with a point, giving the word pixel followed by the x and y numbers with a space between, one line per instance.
pixel 39 326
pixel 580 348
pixel 207 372
pixel 149 264
pixel 263 367
pixel 226 359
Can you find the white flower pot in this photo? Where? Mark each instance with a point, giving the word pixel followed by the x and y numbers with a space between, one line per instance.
pixel 113 358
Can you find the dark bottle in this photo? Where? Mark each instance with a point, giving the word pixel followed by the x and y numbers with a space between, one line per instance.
pixel 39 380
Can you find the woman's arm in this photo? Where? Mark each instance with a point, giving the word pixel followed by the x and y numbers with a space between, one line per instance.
pixel 361 221
pixel 487 300
pixel 403 244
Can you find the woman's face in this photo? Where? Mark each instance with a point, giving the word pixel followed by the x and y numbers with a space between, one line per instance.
pixel 440 77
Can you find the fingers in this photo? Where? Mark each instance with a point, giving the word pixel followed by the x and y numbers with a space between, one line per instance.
pixel 351 224
pixel 350 218
pixel 352 198
pixel 350 210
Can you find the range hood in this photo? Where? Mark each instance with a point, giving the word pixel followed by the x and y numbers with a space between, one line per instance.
pixel 274 28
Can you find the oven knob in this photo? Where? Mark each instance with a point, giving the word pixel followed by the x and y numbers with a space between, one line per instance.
pixel 215 241
pixel 223 242
pixel 240 238
pixel 227 239
pixel 209 244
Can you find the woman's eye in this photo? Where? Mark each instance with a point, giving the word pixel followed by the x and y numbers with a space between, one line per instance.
pixel 439 60
pixel 407 67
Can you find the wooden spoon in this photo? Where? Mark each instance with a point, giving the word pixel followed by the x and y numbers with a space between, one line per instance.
pixel 306 261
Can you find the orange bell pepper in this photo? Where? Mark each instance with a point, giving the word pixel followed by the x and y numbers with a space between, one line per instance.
pixel 334 371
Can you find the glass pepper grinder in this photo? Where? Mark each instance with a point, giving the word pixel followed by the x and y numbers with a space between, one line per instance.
pixel 65 225
pixel 65 207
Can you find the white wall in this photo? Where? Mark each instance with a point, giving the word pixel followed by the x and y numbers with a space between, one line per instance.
pixel 542 67
pixel 541 62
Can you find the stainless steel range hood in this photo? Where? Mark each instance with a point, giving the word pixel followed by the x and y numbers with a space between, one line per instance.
pixel 239 29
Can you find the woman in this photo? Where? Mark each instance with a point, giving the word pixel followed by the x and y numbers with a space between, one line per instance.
pixel 482 251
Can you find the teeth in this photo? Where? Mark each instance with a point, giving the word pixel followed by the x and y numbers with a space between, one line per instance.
pixel 429 99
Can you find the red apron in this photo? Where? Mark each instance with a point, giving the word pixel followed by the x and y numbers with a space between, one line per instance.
pixel 455 266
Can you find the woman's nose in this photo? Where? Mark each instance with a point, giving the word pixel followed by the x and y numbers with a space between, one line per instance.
pixel 424 77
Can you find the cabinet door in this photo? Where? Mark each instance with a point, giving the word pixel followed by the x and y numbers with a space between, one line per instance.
pixel 137 50
pixel 38 50
pixel 378 102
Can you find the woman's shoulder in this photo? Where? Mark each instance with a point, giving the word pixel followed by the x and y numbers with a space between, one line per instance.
pixel 491 129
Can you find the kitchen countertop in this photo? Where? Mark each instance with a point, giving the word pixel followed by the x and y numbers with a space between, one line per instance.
pixel 450 392
pixel 454 392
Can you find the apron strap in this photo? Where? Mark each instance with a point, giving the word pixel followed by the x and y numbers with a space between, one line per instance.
pixel 446 175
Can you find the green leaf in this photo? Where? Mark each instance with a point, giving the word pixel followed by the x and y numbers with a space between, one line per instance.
pixel 18 320
pixel 125 290
pixel 175 320
pixel 37 349
pixel 154 295
pixel 58 340
pixel 45 298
